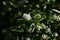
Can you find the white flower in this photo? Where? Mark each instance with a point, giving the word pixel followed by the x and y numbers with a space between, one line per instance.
pixel 29 30
pixel 48 30
pixel 4 3
pixel 27 38
pixel 58 17
pixel 48 0
pixel 56 34
pixel 55 17
pixel 26 16
pixel 39 27
pixel 11 3
pixel 43 26
pixel 26 1
pixel 44 36
pixel 41 19
pixel 19 26
pixel 32 24
pixel 45 7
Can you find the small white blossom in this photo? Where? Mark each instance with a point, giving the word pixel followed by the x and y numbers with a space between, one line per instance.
pixel 43 25
pixel 4 2
pixel 48 30
pixel 39 27
pixel 19 26
pixel 45 7
pixel 27 38
pixel 11 3
pixel 32 24
pixel 56 34
pixel 44 36
pixel 48 0
pixel 29 30
pixel 58 17
pixel 41 19
pixel 26 16
pixel 55 17
pixel 26 1
pixel 52 35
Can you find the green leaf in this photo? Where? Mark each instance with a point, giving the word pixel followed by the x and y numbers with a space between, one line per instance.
pixel 18 30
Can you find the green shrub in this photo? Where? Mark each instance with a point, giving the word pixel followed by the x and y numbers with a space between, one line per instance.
pixel 30 20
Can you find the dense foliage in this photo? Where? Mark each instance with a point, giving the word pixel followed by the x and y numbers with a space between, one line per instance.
pixel 30 19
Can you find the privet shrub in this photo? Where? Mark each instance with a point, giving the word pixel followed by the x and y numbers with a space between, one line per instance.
pixel 30 20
